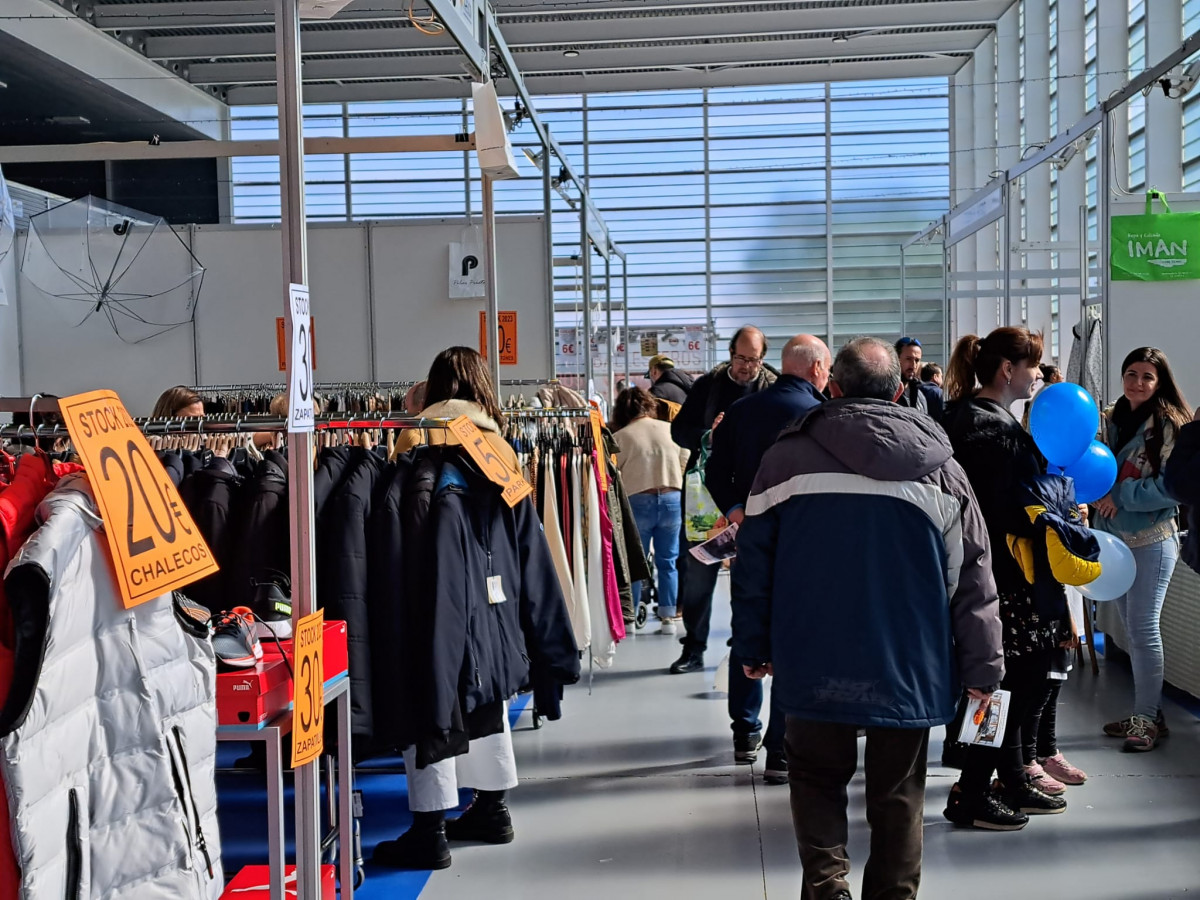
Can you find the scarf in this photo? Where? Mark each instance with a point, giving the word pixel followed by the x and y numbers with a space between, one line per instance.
pixel 1129 421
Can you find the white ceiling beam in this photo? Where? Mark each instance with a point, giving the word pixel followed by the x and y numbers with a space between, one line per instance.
pixel 203 14
pixel 52 30
pixel 332 69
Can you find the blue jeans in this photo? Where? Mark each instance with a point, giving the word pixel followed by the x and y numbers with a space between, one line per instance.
pixel 659 519
pixel 1140 610
pixel 745 705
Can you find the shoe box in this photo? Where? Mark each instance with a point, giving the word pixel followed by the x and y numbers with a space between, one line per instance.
pixel 250 697
pixel 254 883
pixel 337 657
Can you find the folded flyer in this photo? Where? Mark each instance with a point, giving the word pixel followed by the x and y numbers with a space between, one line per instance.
pixel 718 548
pixel 985 720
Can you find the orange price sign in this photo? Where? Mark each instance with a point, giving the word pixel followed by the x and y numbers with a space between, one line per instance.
pixel 598 441
pixel 156 547
pixel 308 690
pixel 514 487
pixel 507 339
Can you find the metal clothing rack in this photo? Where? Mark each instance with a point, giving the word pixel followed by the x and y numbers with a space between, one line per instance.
pixel 319 386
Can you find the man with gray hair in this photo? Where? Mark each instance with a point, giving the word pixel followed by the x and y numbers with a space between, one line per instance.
pixel 859 629
pixel 747 431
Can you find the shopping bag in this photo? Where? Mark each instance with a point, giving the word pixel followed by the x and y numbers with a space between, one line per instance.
pixel 699 509
pixel 1155 246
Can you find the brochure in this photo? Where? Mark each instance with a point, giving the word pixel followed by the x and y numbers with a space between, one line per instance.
pixel 718 548
pixel 985 720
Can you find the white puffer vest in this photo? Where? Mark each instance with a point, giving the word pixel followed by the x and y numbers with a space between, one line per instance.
pixel 109 731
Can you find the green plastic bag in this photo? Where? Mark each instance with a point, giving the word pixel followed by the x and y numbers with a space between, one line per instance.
pixel 1155 247
pixel 699 509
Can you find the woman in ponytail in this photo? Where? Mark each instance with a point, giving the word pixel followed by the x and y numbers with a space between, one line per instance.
pixel 1140 429
pixel 985 377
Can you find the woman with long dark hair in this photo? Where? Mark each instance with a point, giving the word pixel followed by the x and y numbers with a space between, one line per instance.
pixel 985 377
pixel 1140 429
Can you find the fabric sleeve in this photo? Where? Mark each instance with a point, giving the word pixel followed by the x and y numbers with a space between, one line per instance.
pixel 451 601
pixel 752 587
pixel 1181 474
pixel 1143 494
pixel 689 425
pixel 720 469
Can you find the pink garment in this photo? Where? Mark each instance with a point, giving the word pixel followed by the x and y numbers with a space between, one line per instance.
pixel 612 594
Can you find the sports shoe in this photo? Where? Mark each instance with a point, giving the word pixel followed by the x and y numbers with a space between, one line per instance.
pixel 1058 767
pixel 1043 781
pixel 776 771
pixel 234 641
pixel 1030 800
pixel 1121 729
pixel 272 605
pixel 745 747
pixel 668 626
pixel 484 822
pixel 987 811
pixel 689 661
pixel 1141 736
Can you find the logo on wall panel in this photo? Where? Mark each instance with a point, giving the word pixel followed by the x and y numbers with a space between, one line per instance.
pixel 468 275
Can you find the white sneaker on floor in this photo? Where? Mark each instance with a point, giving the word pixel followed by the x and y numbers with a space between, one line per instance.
pixel 668 627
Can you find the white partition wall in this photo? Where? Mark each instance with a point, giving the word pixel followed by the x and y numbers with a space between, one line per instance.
pixel 10 336
pixel 381 307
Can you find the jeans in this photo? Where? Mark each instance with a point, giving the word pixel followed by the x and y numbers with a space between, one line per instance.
pixel 745 704
pixel 1140 610
pixel 659 519
pixel 822 759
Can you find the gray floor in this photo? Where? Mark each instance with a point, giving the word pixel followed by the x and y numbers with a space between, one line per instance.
pixel 633 795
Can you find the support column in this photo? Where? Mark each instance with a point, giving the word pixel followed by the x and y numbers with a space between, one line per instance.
pixel 963 317
pixel 1008 148
pixel 1112 66
pixel 1164 116
pixel 1072 184
pixel 987 258
pixel 1039 308
pixel 492 291
pixel 608 325
pixel 548 243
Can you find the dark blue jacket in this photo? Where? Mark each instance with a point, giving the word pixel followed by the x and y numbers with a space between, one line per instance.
pixel 1181 477
pixel 748 430
pixel 863 571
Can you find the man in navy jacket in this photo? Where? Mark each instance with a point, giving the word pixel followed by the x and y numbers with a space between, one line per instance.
pixel 746 432
pixel 861 629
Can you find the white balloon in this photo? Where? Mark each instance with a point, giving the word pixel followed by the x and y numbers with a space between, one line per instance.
pixel 1118 569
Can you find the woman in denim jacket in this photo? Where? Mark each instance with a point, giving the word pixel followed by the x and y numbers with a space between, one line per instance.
pixel 1140 429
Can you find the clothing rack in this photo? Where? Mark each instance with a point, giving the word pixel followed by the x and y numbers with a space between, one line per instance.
pixel 279 387
pixel 527 382
pixel 561 412
pixel 227 424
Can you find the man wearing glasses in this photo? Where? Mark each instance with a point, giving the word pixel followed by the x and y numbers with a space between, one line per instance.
pixel 712 394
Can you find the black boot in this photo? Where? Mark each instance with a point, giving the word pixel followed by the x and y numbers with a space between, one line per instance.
pixel 423 847
pixel 689 661
pixel 486 820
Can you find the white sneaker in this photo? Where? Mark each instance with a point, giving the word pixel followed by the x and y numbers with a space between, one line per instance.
pixel 668 627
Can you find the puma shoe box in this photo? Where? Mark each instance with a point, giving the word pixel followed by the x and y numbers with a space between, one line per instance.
pixel 251 697
pixel 254 883
pixel 336 658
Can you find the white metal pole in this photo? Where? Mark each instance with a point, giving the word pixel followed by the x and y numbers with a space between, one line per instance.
pixel 1103 203
pixel 1112 71
pixel 1164 118
pixel 585 264
pixel 1038 301
pixel 492 323
pixel 300 445
pixel 903 309
pixel 625 317
pixel 548 240
pixel 1072 180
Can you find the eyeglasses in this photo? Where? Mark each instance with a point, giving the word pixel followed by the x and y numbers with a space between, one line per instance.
pixel 752 361
pixel 907 342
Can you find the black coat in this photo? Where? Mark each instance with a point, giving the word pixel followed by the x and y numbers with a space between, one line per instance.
pixel 212 495
pixel 1181 475
pixel 486 642
pixel 713 393
pixel 263 541
pixel 342 568
pixel 673 385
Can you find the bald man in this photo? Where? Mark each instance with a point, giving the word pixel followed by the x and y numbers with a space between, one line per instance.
pixel 739 443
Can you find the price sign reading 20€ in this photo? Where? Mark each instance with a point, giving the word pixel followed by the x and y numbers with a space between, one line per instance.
pixel 514 488
pixel 156 547
pixel 308 690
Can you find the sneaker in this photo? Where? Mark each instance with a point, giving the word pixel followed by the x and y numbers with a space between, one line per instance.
pixel 745 747
pixel 689 661
pixel 1121 729
pixel 1030 800
pixel 668 626
pixel 421 850
pixel 272 605
pixel 776 771
pixel 986 811
pixel 1141 736
pixel 483 822
pixel 1058 767
pixel 1043 781
pixel 234 641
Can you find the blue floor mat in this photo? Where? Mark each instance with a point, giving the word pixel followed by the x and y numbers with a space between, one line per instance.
pixel 242 811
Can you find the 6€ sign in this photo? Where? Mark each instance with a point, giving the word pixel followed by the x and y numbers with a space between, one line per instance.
pixel 156 547
pixel 300 362
pixel 308 690
pixel 514 488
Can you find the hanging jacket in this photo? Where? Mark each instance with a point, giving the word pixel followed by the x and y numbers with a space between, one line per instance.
pixel 499 610
pixel 263 540
pixel 331 468
pixel 1182 481
pixel 210 495
pixel 109 732
pixel 342 574
pixel 1087 371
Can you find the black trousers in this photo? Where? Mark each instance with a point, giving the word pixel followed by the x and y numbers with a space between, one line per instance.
pixel 1025 678
pixel 822 759
pixel 697 582
pixel 1041 738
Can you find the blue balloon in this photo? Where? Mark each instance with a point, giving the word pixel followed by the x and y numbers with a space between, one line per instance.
pixel 1063 421
pixel 1118 569
pixel 1095 473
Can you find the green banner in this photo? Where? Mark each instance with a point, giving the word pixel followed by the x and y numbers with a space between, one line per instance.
pixel 1155 246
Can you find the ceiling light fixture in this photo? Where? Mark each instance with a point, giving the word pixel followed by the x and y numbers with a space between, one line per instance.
pixel 3 84
pixel 571 53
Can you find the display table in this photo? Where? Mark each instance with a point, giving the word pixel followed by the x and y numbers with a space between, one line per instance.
pixel 271 735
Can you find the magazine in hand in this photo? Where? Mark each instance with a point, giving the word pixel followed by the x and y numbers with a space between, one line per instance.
pixel 718 548
pixel 985 720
